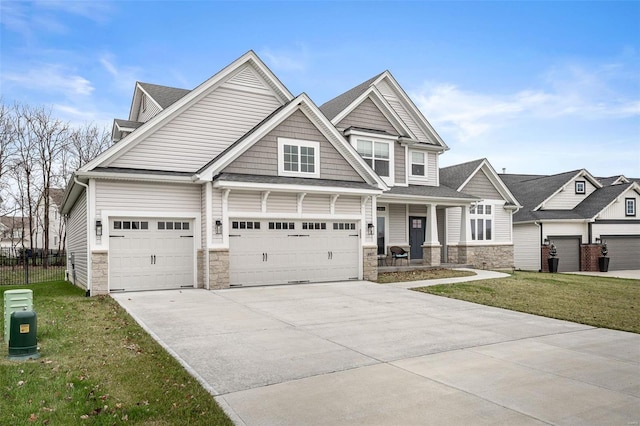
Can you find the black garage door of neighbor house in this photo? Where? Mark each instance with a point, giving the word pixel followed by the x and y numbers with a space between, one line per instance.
pixel 624 251
pixel 568 253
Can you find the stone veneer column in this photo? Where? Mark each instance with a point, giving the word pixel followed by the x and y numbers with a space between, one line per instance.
pixel 200 268
pixel 218 269
pixel 370 263
pixel 99 272
pixel 431 255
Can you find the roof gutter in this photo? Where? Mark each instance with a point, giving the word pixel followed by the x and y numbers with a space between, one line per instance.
pixel 422 199
pixel 136 176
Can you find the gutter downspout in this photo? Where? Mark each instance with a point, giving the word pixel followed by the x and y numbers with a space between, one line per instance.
pixel 541 241
pixel 86 187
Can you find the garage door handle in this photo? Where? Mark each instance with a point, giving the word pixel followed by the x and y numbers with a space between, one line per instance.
pixel 154 259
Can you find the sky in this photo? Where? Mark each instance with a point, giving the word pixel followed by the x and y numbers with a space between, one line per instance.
pixel 535 87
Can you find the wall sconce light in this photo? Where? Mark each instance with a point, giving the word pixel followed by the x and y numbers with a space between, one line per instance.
pixel 546 242
pixel 598 240
pixel 98 228
pixel 370 228
pixel 218 227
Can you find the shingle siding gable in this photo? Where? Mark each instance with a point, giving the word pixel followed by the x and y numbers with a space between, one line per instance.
pixel 367 116
pixel 481 186
pixel 262 157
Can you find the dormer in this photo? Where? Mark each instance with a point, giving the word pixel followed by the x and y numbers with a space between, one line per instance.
pixel 571 193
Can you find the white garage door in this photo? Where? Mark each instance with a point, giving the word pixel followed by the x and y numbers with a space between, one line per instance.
pixel 150 254
pixel 624 251
pixel 292 251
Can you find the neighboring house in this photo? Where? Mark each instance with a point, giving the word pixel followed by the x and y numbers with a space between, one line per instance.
pixel 238 182
pixel 14 235
pixel 56 221
pixel 576 211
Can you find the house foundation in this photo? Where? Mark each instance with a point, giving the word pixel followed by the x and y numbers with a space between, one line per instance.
pixel 432 255
pixel 482 257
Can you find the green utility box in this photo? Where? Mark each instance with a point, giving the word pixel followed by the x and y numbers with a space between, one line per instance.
pixel 15 300
pixel 23 343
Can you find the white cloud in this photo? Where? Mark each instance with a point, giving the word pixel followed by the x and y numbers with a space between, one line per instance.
pixel 286 59
pixel 50 78
pixel 124 77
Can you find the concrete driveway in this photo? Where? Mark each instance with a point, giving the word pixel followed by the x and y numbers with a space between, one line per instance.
pixel 358 353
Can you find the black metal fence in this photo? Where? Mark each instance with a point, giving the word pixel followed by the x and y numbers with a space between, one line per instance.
pixel 26 266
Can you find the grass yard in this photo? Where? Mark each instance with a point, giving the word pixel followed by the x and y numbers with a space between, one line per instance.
pixel 601 302
pixel 428 274
pixel 97 367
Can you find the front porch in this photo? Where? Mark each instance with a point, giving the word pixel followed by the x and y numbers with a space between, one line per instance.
pixel 414 266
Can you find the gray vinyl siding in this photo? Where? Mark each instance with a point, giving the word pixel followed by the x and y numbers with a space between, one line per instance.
pixel 262 157
pixel 417 210
pixel 282 203
pixel 432 169
pixel 399 162
pixel 150 111
pixel 147 197
pixel 368 116
pixel 77 243
pixel 203 217
pixel 481 186
pixel 201 132
pixel 526 247
pixel 502 225
pixel 316 204
pixel 398 224
pixel 441 217
pixel 347 205
pixel 454 215
pixel 568 199
pixel 245 201
pixel 216 213
pixel 395 103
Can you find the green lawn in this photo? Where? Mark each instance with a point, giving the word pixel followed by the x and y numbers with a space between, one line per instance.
pixel 98 367
pixel 597 301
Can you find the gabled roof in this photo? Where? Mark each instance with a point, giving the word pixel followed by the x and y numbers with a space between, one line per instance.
pixel 338 104
pixel 337 108
pixel 457 177
pixel 127 124
pixel 164 96
pixel 533 190
pixel 613 180
pixel 305 104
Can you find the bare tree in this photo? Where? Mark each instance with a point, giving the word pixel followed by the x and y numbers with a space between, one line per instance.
pixel 85 144
pixel 7 149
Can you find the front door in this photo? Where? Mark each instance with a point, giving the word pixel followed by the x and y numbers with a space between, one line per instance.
pixel 416 235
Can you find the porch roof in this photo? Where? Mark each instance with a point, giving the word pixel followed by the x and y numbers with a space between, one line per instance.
pixel 430 193
pixel 282 180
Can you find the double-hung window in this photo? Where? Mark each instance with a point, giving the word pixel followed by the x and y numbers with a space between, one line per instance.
pixel 481 222
pixel 376 154
pixel 630 206
pixel 418 164
pixel 298 158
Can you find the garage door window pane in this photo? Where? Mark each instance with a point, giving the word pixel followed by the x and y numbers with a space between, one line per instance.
pixel 126 225
pixel 185 225
pixel 160 225
pixel 169 225
pixel 117 225
pixel 144 225
pixel 177 225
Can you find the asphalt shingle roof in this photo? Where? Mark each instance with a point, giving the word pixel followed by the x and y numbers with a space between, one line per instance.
pixel 454 176
pixel 441 191
pixel 128 123
pixel 165 96
pixel 336 105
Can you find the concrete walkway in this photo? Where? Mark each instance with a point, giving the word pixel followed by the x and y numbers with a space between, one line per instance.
pixel 633 274
pixel 479 275
pixel 359 353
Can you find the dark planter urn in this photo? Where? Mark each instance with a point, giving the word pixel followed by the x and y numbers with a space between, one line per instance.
pixel 603 264
pixel 553 264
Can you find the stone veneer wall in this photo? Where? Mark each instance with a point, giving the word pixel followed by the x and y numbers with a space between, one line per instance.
pixel 488 257
pixel 370 263
pixel 432 255
pixel 99 272
pixel 218 269
pixel 200 268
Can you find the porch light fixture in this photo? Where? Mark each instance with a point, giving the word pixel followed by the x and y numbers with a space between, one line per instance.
pixel 598 240
pixel 218 227
pixel 98 228
pixel 370 228
pixel 546 242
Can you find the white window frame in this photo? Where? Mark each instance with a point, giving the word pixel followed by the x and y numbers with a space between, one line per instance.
pixel 474 216
pixel 629 202
pixel 425 156
pixel 389 180
pixel 299 143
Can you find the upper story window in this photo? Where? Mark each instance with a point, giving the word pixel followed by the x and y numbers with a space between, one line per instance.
pixel 418 164
pixel 630 206
pixel 298 158
pixel 580 187
pixel 376 154
pixel 481 222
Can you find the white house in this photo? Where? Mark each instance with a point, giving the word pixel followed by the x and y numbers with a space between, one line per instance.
pixel 238 182
pixel 577 212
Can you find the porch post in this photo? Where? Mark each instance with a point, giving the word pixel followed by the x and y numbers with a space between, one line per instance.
pixel 465 235
pixel 431 254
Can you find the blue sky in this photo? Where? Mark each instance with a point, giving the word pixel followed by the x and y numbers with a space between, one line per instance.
pixel 535 87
